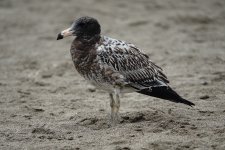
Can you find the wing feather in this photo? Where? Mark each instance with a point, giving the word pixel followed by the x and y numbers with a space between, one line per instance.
pixel 135 66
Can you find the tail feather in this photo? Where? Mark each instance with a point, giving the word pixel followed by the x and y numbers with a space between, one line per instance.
pixel 165 93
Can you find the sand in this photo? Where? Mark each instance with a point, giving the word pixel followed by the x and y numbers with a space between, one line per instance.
pixel 46 104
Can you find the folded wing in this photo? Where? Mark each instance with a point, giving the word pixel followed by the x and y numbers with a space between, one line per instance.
pixel 139 72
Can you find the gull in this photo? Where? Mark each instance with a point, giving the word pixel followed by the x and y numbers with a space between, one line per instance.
pixel 115 66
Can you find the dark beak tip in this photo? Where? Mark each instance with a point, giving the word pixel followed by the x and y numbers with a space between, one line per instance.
pixel 59 36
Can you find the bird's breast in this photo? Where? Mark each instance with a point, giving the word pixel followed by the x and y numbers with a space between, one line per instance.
pixel 84 61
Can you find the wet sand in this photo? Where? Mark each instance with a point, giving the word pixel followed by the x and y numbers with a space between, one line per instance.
pixel 46 104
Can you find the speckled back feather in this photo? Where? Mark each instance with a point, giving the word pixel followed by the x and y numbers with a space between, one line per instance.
pixel 128 60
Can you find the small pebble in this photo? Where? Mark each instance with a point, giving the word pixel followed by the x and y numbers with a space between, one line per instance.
pixel 126 148
pixel 205 83
pixel 38 109
pixel 101 109
pixel 90 89
pixel 49 137
pixel 13 115
pixel 70 138
pixel 71 118
pixel 46 75
pixel 204 97
pixel 138 129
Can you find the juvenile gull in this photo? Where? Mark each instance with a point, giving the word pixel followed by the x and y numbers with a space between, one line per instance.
pixel 115 66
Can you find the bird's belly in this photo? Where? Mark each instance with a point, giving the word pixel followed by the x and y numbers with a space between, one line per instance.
pixel 100 79
pixel 101 85
pixel 99 82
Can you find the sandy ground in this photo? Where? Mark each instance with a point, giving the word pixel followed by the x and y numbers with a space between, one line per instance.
pixel 45 104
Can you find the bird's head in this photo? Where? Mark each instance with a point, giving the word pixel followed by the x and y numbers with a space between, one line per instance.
pixel 84 27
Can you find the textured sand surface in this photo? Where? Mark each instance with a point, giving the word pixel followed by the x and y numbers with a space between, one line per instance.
pixel 45 104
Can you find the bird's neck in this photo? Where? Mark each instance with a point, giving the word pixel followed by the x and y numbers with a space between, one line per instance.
pixel 84 49
pixel 86 42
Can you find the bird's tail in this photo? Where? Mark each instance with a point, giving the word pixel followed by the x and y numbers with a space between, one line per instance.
pixel 165 93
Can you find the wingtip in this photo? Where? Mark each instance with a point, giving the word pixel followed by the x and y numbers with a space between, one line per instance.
pixel 184 101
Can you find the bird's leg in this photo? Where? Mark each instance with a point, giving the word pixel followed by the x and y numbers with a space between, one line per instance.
pixel 117 104
pixel 112 105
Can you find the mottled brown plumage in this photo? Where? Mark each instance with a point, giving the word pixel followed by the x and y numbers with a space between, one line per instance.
pixel 83 54
pixel 115 66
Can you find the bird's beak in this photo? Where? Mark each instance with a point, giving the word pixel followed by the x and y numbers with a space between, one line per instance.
pixel 65 33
